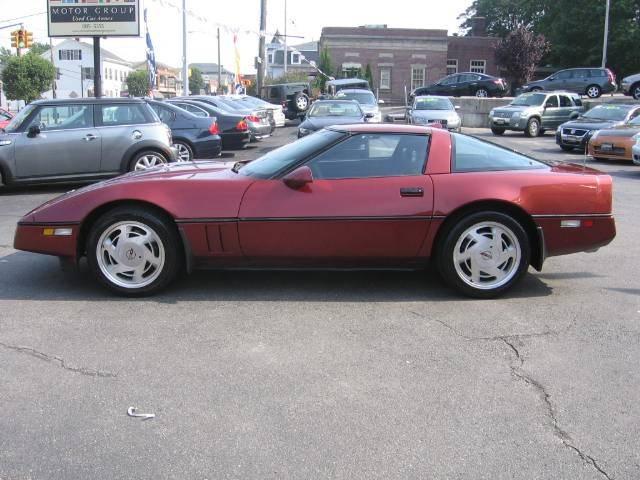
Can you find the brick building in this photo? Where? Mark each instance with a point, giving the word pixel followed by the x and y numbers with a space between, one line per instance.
pixel 407 58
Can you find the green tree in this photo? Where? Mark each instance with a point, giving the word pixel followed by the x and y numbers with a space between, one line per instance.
pixel 504 16
pixel 138 83
pixel 5 54
pixel 27 77
pixel 326 67
pixel 368 76
pixel 290 77
pixel 38 48
pixel 196 82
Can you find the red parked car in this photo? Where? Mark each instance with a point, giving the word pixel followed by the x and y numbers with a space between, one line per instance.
pixel 5 118
pixel 350 196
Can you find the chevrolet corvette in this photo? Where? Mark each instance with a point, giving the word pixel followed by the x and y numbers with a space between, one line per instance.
pixel 359 196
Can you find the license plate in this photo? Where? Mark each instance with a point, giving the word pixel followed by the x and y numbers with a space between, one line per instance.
pixel 606 147
pixel 499 121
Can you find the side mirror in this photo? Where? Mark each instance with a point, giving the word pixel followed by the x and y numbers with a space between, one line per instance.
pixel 298 178
pixel 34 131
pixel 369 115
pixel 380 102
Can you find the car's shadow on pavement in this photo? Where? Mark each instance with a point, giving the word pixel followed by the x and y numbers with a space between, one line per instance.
pixel 25 276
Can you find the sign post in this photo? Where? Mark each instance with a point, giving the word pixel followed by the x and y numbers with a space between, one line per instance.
pixel 88 18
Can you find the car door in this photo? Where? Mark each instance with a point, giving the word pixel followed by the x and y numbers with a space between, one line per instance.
pixel 68 143
pixel 369 203
pixel 551 115
pixel 121 126
pixel 566 110
pixel 446 86
pixel 580 81
pixel 468 84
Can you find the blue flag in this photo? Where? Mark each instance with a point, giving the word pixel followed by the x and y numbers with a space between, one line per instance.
pixel 151 56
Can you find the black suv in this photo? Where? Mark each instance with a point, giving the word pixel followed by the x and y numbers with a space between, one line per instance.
pixel 294 98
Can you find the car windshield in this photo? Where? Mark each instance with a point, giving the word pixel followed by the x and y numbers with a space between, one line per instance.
pixel 432 103
pixel 334 109
pixel 15 123
pixel 280 159
pixel 365 98
pixel 607 112
pixel 529 100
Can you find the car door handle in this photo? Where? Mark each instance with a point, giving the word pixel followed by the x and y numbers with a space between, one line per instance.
pixel 89 137
pixel 412 192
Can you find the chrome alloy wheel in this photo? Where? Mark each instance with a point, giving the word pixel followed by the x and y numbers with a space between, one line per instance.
pixel 149 160
pixel 130 254
pixel 593 92
pixel 302 103
pixel 487 255
pixel 482 93
pixel 183 152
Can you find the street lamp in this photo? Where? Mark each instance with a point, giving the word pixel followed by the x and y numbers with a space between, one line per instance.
pixel 606 35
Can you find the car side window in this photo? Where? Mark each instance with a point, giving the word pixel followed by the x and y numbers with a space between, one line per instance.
pixel 193 109
pixel 577 101
pixel 565 101
pixel 634 114
pixel 63 117
pixel 473 155
pixel 372 155
pixel 581 74
pixel 166 115
pixel 596 72
pixel 552 102
pixel 5 116
pixel 123 114
pixel 450 80
pixel 564 75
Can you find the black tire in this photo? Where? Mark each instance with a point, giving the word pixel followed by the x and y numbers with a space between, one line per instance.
pixel 536 89
pixel 533 128
pixel 301 102
pixel 593 91
pixel 482 93
pixel 567 148
pixel 445 253
pixel 635 91
pixel 146 153
pixel 165 231
pixel 497 130
pixel 184 149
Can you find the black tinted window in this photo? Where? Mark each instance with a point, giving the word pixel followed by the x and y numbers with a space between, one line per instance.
pixel 565 101
pixel 471 154
pixel 166 115
pixel 552 102
pixel 372 155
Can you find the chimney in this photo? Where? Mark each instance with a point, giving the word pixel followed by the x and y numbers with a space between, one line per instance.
pixel 478 27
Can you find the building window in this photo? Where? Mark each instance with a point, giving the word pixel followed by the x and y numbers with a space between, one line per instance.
pixel 270 58
pixel 385 79
pixel 87 73
pixel 417 77
pixel 452 66
pixel 295 59
pixel 70 54
pixel 478 66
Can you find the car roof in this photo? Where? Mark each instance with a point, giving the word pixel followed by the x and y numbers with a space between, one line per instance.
pixel 613 104
pixel 336 100
pixel 388 128
pixel 91 100
pixel 346 81
pixel 354 90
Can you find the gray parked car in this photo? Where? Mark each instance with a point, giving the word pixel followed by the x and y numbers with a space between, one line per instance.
pixel 591 82
pixel 367 100
pixel 535 112
pixel 430 109
pixel 85 139
pixel 631 86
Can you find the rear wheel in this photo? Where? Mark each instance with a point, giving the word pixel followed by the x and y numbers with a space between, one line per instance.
pixel 147 159
pixel 484 254
pixel 301 102
pixel 593 91
pixel 533 128
pixel 635 91
pixel 185 152
pixel 482 93
pixel 133 251
pixel 497 130
pixel 566 148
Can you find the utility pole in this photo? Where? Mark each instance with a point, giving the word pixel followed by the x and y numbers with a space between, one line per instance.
pixel 185 66
pixel 286 48
pixel 219 89
pixel 53 86
pixel 606 35
pixel 81 80
pixel 261 45
pixel 97 73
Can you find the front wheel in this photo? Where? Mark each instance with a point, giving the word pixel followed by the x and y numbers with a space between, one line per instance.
pixel 185 153
pixel 482 93
pixel 484 254
pixel 133 251
pixel 635 91
pixel 533 128
pixel 594 91
pixel 566 148
pixel 497 130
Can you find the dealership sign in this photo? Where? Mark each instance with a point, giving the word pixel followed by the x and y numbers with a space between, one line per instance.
pixel 94 18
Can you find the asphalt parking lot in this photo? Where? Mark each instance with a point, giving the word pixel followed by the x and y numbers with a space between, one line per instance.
pixel 325 374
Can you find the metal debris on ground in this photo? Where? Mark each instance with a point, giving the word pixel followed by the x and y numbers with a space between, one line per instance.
pixel 146 416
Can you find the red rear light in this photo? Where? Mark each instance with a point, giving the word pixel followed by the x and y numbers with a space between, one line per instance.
pixel 252 118
pixel 611 75
pixel 242 126
pixel 214 129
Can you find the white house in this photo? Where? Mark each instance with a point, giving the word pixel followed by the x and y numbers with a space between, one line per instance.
pixel 74 62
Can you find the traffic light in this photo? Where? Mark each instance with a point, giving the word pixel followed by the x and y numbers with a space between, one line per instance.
pixel 28 39
pixel 14 39
pixel 21 38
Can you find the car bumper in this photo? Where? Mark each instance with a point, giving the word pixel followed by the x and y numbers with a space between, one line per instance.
pixel 31 237
pixel 509 123
pixel 591 233
pixel 235 140
pixel 612 148
pixel 572 140
pixel 209 148
pixel 636 154
pixel 259 130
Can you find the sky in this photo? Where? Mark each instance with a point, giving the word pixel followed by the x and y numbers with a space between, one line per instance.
pixel 305 19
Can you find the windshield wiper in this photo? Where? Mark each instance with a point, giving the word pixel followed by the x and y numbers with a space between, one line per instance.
pixel 238 165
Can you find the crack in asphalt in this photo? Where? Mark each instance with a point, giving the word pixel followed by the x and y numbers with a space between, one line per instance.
pixel 59 361
pixel 518 372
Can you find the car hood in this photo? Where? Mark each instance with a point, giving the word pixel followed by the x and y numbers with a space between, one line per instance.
pixel 448 115
pixel 622 131
pixel 369 108
pixel 514 108
pixel 316 123
pixel 590 124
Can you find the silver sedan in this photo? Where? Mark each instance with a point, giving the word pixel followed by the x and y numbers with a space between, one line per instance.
pixel 428 110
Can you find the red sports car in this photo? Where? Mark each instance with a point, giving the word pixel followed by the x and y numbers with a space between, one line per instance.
pixel 5 118
pixel 362 196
